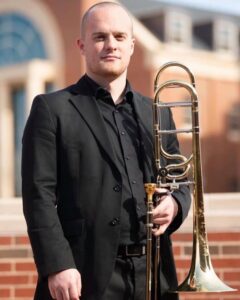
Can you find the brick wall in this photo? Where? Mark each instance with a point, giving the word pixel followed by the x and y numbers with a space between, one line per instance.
pixel 225 256
pixel 17 270
pixel 18 276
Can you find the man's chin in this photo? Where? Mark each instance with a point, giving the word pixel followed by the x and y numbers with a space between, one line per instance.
pixel 112 73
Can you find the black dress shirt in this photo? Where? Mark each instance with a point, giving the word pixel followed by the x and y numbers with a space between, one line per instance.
pixel 122 128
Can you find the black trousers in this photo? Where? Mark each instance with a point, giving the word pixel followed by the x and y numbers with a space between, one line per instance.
pixel 128 280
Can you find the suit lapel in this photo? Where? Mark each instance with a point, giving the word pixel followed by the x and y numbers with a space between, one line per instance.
pixel 87 107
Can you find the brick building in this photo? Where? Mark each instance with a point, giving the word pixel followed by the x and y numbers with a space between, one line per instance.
pixel 34 59
pixel 205 37
pixel 38 53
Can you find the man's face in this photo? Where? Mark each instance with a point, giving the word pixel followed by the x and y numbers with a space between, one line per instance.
pixel 107 43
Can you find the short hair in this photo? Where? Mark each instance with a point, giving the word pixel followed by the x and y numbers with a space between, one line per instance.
pixel 101 4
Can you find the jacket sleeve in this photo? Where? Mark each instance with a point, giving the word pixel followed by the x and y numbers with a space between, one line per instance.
pixel 181 195
pixel 39 189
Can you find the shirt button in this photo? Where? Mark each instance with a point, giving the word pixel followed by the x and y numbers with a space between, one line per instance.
pixel 117 188
pixel 122 132
pixel 127 157
pixel 134 181
pixel 115 221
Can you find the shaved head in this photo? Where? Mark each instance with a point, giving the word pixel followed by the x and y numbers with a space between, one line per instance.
pixel 106 42
pixel 101 5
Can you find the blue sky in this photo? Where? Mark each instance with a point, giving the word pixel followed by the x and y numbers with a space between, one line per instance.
pixel 231 7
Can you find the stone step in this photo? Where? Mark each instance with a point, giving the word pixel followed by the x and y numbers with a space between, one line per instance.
pixel 222 212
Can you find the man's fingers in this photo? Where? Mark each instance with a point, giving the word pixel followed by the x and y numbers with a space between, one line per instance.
pixel 161 190
pixel 79 285
pixel 160 230
pixel 65 285
pixel 161 224
pixel 161 220
pixel 66 294
pixel 52 293
pixel 59 295
pixel 73 292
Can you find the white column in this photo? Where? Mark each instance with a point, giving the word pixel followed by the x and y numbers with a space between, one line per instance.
pixel 6 143
pixel 33 76
pixel 37 74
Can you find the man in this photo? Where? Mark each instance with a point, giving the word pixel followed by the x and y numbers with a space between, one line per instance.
pixel 87 151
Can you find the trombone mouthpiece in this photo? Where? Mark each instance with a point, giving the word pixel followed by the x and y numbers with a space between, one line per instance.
pixel 150 188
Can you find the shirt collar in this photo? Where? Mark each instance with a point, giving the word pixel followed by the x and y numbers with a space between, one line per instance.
pixel 100 92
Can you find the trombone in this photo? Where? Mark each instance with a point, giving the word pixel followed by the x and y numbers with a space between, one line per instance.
pixel 201 276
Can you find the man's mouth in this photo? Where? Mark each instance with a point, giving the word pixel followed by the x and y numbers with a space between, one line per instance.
pixel 110 57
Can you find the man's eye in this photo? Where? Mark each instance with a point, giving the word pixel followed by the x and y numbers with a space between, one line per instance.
pixel 120 37
pixel 99 38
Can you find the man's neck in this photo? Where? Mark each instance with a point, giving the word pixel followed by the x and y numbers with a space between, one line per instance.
pixel 115 86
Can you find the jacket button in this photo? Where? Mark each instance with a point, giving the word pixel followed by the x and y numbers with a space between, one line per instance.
pixel 115 221
pixel 117 188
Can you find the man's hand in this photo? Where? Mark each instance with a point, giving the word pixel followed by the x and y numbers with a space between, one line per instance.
pixel 65 285
pixel 164 212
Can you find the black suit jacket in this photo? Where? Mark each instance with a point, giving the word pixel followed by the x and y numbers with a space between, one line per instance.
pixel 72 188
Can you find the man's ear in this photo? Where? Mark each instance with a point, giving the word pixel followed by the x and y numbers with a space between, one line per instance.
pixel 133 45
pixel 80 44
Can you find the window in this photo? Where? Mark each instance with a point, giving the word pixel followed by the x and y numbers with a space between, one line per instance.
pixel 178 28
pixel 187 116
pixel 226 37
pixel 203 35
pixel 19 40
pixel 49 87
pixel 19 116
pixel 234 123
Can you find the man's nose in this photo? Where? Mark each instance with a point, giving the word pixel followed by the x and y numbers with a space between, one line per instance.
pixel 111 43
